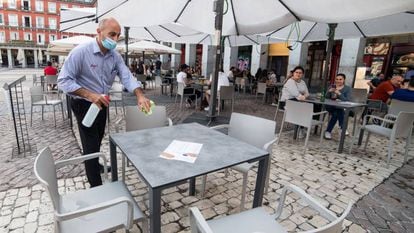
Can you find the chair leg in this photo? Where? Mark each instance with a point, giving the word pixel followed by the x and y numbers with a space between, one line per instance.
pixel 407 145
pixel 42 112
pixel 366 142
pixel 281 129
pixel 353 140
pixel 244 187
pixel 390 149
pixel 203 185
pixel 123 167
pixel 31 114
pixel 63 113
pixel 116 108
pixel 269 165
pixel 307 138
pixel 54 114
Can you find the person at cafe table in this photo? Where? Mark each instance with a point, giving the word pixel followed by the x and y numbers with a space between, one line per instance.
pixel 337 91
pixel 294 88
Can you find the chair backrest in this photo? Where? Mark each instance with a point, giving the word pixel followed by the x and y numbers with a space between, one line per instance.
pixel 141 77
pixel 34 78
pixel 226 93
pixel 51 79
pixel 136 120
pixel 251 129
pixel 359 95
pixel 117 88
pixel 404 124
pixel 180 88
pixel 45 171
pixel 158 81
pixel 261 88
pixel 36 93
pixel 298 113
pixel 397 106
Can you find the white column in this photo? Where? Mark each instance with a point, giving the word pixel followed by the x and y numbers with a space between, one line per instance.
pixel 190 54
pixel 35 58
pixel 230 58
pixel 165 59
pixel 24 63
pixel 10 58
pixel 259 57
pixel 47 58
pixel 208 62
pixel 351 57
pixel 298 56
pixel 176 59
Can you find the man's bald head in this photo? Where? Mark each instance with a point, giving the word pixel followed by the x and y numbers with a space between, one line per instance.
pixel 108 28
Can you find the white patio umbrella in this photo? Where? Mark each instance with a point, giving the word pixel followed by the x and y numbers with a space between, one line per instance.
pixel 64 46
pixel 20 56
pixel 147 47
pixel 40 56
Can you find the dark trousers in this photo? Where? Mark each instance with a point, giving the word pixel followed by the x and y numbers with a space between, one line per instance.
pixel 190 90
pixel 337 114
pixel 91 138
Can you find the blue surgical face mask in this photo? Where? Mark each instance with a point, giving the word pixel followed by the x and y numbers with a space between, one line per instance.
pixel 109 44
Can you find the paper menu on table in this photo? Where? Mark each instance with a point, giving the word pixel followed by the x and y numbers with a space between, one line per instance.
pixel 183 151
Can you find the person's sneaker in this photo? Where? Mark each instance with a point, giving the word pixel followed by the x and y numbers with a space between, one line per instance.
pixel 346 133
pixel 206 108
pixel 327 135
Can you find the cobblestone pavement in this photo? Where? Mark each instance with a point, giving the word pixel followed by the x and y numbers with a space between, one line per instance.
pixel 334 179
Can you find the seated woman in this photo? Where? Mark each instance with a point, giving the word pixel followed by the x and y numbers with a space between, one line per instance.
pixel 337 91
pixel 294 88
pixel 223 80
pixel 183 77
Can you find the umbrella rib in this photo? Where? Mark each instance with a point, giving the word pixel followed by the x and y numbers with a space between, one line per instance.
pixel 182 11
pixel 307 34
pixel 203 39
pixel 359 29
pixel 275 31
pixel 409 12
pixel 228 39
pixel 146 29
pixel 251 40
pixel 234 18
pixel 83 17
pixel 113 8
pixel 79 24
pixel 170 31
pixel 287 8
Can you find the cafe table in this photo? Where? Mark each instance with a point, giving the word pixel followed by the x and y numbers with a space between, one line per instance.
pixel 219 151
pixel 347 106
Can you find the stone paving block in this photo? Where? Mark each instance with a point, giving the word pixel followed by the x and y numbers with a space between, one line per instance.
pixel 16 223
pixel 30 227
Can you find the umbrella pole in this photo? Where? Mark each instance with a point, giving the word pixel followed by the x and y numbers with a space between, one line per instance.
pixel 126 45
pixel 329 46
pixel 217 56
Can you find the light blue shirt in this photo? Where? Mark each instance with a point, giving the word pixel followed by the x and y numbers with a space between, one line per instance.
pixel 87 67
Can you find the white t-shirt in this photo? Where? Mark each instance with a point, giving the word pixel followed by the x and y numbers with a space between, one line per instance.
pixel 181 77
pixel 223 80
pixel 230 75
pixel 293 89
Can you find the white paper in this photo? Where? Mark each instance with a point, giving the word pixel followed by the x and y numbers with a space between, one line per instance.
pixel 348 102
pixel 183 151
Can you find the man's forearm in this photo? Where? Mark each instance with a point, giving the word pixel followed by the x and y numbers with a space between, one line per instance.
pixel 82 92
pixel 138 92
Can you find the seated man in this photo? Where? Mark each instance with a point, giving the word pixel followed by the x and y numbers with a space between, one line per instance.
pixel 387 88
pixel 375 82
pixel 50 70
pixel 182 77
pixel 223 80
pixel 405 94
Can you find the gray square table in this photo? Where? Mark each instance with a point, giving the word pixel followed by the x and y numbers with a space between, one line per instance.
pixel 219 151
pixel 347 106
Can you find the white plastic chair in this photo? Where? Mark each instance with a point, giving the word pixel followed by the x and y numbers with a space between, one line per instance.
pixel 103 208
pixel 261 89
pixel 159 83
pixel 358 95
pixel 258 220
pixel 38 98
pixel 135 119
pixel 180 92
pixel 51 81
pixel 398 106
pixel 278 109
pixel 225 93
pixel 253 130
pixel 402 127
pixel 301 114
pixel 116 95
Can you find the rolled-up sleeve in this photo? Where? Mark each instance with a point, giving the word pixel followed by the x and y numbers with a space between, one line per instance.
pixel 126 77
pixel 67 76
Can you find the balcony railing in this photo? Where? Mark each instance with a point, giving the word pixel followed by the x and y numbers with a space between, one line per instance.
pixel 26 8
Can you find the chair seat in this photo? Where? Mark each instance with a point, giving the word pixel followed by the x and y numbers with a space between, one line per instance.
pixel 107 219
pixel 254 220
pixel 49 102
pixel 377 129
pixel 244 167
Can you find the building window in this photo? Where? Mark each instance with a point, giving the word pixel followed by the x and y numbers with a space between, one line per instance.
pixel 40 22
pixel 26 5
pixel 52 37
pixel 11 4
pixel 1 19
pixel 52 23
pixel 2 37
pixel 40 38
pixel 13 21
pixel 14 36
pixel 1 3
pixel 64 6
pixel 26 21
pixel 64 37
pixel 27 36
pixel 52 7
pixel 39 6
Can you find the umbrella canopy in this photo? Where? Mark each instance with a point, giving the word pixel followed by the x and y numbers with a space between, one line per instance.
pixel 64 46
pixel 20 55
pixel 305 31
pixel 147 47
pixel 40 56
pixel 247 17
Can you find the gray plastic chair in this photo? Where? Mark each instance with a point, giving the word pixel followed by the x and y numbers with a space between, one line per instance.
pixel 137 120
pixel 38 98
pixel 358 95
pixel 402 127
pixel 278 109
pixel 103 208
pixel 258 220
pixel 225 93
pixel 50 81
pixel 116 95
pixel 253 130
pixel 301 114
pixel 180 92
pixel 398 106
pixel 261 89
pixel 159 83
